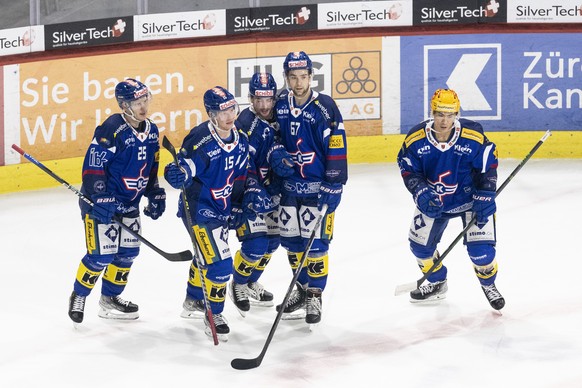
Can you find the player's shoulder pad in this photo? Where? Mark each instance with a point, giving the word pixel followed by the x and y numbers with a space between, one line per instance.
pixel 198 137
pixel 327 106
pixel 472 130
pixel 106 132
pixel 416 133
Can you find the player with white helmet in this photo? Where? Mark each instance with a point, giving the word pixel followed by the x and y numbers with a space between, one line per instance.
pixel 450 168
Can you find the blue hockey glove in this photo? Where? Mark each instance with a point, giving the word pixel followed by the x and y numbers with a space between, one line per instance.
pixel 156 203
pixel 236 219
pixel 176 175
pixel 428 202
pixel 484 205
pixel 330 194
pixel 104 206
pixel 280 160
pixel 257 200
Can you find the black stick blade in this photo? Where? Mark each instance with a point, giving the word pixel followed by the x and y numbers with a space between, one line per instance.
pixel 245 363
pixel 180 256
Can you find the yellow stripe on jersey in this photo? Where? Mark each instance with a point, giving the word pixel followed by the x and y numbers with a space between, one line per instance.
pixel 116 275
pixel 472 135
pixel 415 136
pixel 205 244
pixel 90 231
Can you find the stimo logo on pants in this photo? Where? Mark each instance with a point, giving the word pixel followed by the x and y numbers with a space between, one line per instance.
pixel 472 70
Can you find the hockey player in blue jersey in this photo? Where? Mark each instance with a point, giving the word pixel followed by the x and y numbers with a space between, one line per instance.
pixel 450 168
pixel 212 161
pixel 258 233
pixel 312 131
pixel 120 167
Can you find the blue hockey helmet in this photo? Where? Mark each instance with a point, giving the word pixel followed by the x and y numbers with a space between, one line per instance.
pixel 262 85
pixel 297 60
pixel 218 99
pixel 130 90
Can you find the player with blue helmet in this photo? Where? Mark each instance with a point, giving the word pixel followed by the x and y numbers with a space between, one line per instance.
pixel 312 131
pixel 258 232
pixel 212 162
pixel 450 168
pixel 120 167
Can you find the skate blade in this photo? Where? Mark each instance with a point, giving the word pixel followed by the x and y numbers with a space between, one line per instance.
pixel 261 303
pixel 186 314
pixel 221 337
pixel 432 299
pixel 241 312
pixel 117 315
pixel 313 326
pixel 295 315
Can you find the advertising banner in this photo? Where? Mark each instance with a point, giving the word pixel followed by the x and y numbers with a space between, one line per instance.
pixel 62 101
pixel 508 82
pixel 21 40
pixel 88 33
pixel 180 25
pixel 271 19
pixel 364 14
pixel 550 11
pixel 430 12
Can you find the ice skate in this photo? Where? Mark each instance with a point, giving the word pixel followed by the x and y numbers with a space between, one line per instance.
pixel 113 307
pixel 76 307
pixel 222 329
pixel 239 296
pixel 313 307
pixel 258 296
pixel 430 292
pixel 193 309
pixel 295 307
pixel 493 296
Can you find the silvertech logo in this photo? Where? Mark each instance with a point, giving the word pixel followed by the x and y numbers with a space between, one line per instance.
pixel 356 79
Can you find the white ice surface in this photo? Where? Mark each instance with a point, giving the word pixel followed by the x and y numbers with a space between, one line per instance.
pixel 368 336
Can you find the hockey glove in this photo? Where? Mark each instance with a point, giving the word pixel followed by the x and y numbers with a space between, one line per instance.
pixel 156 203
pixel 484 205
pixel 428 202
pixel 177 176
pixel 257 200
pixel 280 160
pixel 330 194
pixel 236 219
pixel 104 206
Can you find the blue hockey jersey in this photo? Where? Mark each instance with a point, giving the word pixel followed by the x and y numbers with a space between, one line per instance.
pixel 123 161
pixel 315 137
pixel 453 169
pixel 215 166
pixel 261 137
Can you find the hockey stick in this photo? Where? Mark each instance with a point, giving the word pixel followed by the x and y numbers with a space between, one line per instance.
pixel 167 144
pixel 180 256
pixel 401 289
pixel 250 363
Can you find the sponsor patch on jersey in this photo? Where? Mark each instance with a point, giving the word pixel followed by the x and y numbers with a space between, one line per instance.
pixel 473 135
pixel 420 134
pixel 336 141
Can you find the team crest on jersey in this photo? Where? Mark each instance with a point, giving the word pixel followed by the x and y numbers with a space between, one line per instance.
pixel 302 158
pixel 441 188
pixel 224 192
pixel 136 184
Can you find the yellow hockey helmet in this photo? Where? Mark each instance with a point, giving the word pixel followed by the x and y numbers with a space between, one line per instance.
pixel 445 100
